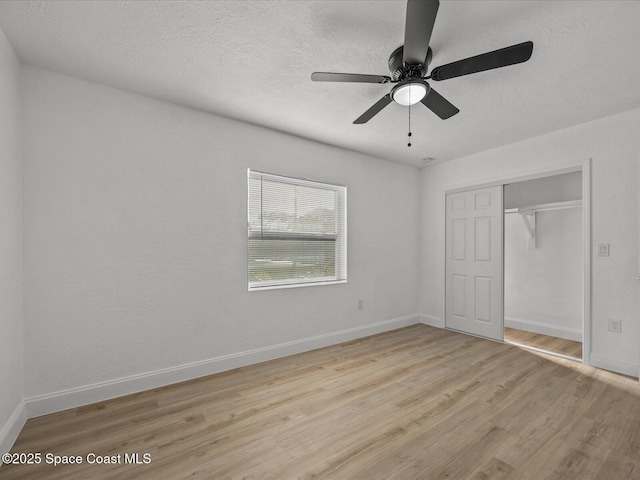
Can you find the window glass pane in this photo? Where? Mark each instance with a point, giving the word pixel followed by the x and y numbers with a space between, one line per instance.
pixel 299 260
pixel 294 208
pixel 278 207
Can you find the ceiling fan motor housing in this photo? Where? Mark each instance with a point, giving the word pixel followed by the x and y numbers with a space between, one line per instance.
pixel 401 71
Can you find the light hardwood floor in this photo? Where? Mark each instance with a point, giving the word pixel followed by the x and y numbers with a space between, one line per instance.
pixel 415 403
pixel 544 342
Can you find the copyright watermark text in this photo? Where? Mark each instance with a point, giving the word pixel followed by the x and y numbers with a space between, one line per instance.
pixel 37 458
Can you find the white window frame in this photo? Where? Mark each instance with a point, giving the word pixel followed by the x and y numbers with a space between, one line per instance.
pixel 340 236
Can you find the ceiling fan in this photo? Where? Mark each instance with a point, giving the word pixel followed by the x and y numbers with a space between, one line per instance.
pixel 409 64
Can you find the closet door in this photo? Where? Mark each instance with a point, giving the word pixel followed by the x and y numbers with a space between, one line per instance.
pixel 474 239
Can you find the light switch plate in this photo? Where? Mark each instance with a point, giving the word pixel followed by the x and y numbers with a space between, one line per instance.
pixel 603 250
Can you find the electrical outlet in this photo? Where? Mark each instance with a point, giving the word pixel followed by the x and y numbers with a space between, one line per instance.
pixel 360 304
pixel 615 326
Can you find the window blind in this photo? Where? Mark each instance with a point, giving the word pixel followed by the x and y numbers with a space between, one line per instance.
pixel 296 232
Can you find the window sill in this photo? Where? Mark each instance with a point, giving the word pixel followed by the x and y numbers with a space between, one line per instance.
pixel 295 285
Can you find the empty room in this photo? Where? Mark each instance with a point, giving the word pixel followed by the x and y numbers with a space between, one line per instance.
pixel 319 239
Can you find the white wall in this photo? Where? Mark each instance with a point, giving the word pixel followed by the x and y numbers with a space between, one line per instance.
pixel 11 328
pixel 543 285
pixel 614 145
pixel 135 243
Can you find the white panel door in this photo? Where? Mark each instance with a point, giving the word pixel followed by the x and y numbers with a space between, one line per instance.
pixel 474 238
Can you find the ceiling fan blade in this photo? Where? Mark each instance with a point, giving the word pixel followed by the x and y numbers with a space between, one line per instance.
pixel 348 77
pixel 487 61
pixel 421 16
pixel 374 110
pixel 439 105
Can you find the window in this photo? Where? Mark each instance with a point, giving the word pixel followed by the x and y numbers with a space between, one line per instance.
pixel 297 232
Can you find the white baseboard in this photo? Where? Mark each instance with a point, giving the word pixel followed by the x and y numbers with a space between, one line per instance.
pixel 544 328
pixel 12 428
pixel 87 394
pixel 614 364
pixel 431 320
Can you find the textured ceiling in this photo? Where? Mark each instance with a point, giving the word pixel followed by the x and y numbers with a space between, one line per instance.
pixel 252 60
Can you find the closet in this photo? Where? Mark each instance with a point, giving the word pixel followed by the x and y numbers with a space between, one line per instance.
pixel 543 263
pixel 514 268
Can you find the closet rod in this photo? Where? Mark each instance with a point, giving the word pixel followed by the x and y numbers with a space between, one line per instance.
pixel 545 207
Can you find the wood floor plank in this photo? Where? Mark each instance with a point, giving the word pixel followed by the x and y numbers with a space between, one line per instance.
pixel 496 469
pixel 619 467
pixel 544 342
pixel 414 403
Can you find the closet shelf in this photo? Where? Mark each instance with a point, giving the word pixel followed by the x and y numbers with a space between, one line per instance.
pixel 544 207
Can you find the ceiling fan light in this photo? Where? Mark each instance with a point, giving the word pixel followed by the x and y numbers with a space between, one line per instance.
pixel 409 93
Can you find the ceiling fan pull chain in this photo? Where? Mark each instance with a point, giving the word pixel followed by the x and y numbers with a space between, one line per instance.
pixel 409 134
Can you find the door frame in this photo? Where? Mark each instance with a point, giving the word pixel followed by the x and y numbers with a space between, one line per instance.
pixel 583 166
